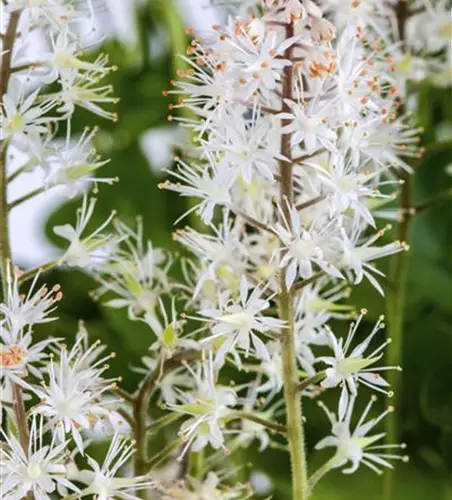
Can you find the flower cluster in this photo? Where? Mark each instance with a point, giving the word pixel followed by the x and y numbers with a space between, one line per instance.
pixel 54 399
pixel 31 114
pixel 301 138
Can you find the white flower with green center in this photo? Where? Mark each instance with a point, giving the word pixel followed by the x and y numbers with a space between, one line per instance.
pixel 40 470
pixel 350 366
pixel 83 248
pixel 208 406
pixel 222 257
pixel 23 118
pixel 64 60
pixel 136 272
pixel 244 146
pixel 239 321
pixel 103 480
pixel 86 92
pixel 76 164
pixel 169 333
pixel 357 446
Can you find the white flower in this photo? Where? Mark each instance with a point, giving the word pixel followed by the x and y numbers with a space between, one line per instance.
pixel 222 257
pixel 212 185
pixel 169 334
pixel 39 470
pixel 351 365
pixel 136 272
pixel 104 482
pixel 261 65
pixel 208 406
pixel 50 14
pixel 308 126
pixel 64 60
pixel 76 164
pixel 72 397
pixel 347 188
pixel 302 248
pixel 361 13
pixel 244 145
pixel 430 30
pixel 354 257
pixel 23 118
pixel 82 249
pixel 25 310
pixel 240 321
pixel 357 446
pixel 383 142
pixel 85 91
pixel 19 356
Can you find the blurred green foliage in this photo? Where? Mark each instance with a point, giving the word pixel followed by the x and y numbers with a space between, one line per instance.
pixel 426 413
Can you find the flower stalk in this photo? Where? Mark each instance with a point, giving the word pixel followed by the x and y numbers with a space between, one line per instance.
pixel 294 415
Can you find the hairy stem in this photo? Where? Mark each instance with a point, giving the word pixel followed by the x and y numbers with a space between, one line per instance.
pixel 295 429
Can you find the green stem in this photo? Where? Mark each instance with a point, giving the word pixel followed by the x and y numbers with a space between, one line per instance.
pixel 321 472
pixel 141 406
pixel 164 454
pixel 259 420
pixel 162 422
pixel 294 415
pixel 395 305
pixel 5 251
pixel 395 296
pixel 31 273
pixel 26 197
pixel 295 430
pixel 196 464
pixel 302 386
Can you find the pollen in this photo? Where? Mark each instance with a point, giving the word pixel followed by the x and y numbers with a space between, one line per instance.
pixel 12 356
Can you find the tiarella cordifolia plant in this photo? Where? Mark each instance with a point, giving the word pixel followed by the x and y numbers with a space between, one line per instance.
pixel 301 142
pixel 50 394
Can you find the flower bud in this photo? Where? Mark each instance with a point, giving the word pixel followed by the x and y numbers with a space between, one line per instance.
pixel 323 31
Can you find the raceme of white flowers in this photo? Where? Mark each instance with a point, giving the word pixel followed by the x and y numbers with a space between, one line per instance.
pixel 300 131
